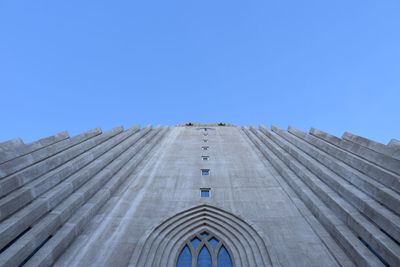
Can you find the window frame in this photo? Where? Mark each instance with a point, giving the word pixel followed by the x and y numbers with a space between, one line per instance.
pixel 205 158
pixel 205 190
pixel 204 242
pixel 203 171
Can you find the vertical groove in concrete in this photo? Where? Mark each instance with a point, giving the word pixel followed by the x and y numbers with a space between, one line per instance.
pixel 383 217
pixel 375 158
pixel 78 179
pixel 90 151
pixel 42 162
pixel 314 172
pixel 59 192
pixel 6 155
pixel 104 189
pixel 381 175
pixel 20 163
pixel 52 189
pixel 12 144
pixel 368 185
pixel 353 218
pixel 377 147
pixel 359 253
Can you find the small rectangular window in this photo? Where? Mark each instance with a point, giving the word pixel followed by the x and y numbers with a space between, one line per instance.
pixel 205 140
pixel 205 192
pixel 204 147
pixel 205 157
pixel 205 134
pixel 205 172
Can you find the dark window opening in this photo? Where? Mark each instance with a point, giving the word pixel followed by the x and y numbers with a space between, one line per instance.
pixel 205 192
pixel 205 172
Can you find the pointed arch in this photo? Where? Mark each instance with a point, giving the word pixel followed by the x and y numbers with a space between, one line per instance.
pixel 205 241
pixel 161 247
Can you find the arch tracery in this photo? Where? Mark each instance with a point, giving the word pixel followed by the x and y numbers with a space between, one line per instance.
pixel 205 249
pixel 163 245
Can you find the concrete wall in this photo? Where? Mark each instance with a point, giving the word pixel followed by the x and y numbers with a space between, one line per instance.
pixel 278 198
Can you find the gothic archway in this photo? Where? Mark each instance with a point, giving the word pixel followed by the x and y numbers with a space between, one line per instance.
pixel 204 249
pixel 163 245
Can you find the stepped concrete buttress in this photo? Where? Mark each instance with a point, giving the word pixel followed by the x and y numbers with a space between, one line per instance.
pixel 134 197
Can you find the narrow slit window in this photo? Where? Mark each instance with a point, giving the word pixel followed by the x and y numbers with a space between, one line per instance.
pixel 205 172
pixel 205 192
pixel 205 158
pixel 204 147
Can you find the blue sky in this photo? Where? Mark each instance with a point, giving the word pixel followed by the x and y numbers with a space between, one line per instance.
pixel 76 65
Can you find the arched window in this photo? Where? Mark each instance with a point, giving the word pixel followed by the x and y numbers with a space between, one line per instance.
pixel 204 250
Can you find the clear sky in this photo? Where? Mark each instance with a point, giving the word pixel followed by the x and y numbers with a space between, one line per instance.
pixel 75 65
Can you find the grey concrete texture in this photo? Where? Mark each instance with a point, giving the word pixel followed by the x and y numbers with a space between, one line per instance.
pixel 14 152
pixel 11 145
pixel 132 197
pixel 386 161
pixel 322 186
pixel 394 143
pixel 375 146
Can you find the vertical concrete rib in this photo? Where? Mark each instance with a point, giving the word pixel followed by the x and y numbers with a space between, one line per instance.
pixel 380 242
pixel 30 173
pixel 89 150
pixel 382 194
pixel 352 245
pixel 383 217
pixel 43 229
pixel 375 158
pixel 51 189
pixel 11 144
pixel 97 192
pixel 6 155
pixel 381 175
pixel 395 144
pixel 20 163
pixel 18 222
pixel 46 164
pixel 377 147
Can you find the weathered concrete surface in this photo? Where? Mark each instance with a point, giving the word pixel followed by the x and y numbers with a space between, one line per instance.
pixel 132 197
pixel 170 182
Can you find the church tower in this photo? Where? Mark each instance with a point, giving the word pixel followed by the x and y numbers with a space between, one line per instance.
pixel 195 195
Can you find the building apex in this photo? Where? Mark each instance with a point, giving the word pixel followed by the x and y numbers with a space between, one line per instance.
pixel 196 124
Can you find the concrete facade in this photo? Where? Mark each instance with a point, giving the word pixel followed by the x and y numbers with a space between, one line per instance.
pixel 133 197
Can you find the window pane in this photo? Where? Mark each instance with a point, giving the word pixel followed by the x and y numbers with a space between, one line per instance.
pixel 205 172
pixel 195 242
pixel 224 260
pixel 205 193
pixel 185 258
pixel 204 259
pixel 213 242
